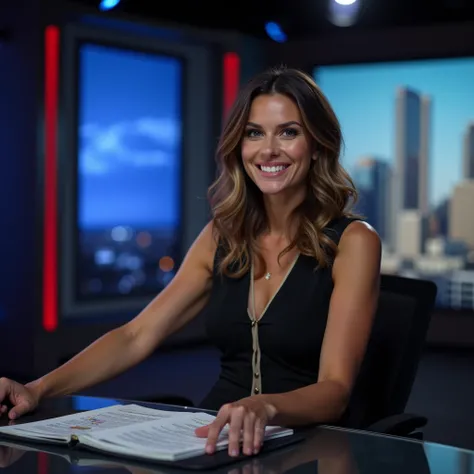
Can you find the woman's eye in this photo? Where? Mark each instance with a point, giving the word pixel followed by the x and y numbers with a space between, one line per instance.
pixel 289 132
pixel 253 133
pixel 286 133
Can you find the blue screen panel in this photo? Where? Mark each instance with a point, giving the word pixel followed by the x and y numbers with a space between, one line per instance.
pixel 128 172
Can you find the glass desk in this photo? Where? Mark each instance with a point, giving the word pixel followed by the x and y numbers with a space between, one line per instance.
pixel 325 450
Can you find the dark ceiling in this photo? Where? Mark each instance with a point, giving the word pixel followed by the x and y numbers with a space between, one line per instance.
pixel 299 18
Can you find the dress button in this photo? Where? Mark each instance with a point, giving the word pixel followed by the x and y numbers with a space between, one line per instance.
pixel 256 375
pixel 256 390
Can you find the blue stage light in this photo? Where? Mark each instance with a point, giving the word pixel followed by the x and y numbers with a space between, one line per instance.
pixel 108 4
pixel 275 32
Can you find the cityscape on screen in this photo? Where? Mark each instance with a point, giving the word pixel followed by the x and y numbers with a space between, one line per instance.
pixel 409 147
pixel 129 169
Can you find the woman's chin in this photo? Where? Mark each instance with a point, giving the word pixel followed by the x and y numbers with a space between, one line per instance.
pixel 288 191
pixel 273 189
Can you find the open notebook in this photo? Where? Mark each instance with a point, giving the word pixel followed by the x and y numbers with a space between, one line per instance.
pixel 131 431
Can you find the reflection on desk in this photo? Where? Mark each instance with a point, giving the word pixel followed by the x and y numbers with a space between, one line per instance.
pixel 325 451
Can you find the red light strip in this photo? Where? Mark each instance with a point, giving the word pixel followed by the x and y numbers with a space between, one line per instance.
pixel 50 234
pixel 231 73
pixel 43 463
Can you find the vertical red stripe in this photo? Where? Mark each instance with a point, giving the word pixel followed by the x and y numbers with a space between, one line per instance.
pixel 43 464
pixel 231 75
pixel 50 234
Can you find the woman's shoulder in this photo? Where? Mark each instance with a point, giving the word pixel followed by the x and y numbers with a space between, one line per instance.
pixel 354 236
pixel 208 236
pixel 338 225
pixel 204 246
pixel 213 244
pixel 360 232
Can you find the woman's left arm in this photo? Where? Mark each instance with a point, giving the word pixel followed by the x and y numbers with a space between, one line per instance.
pixel 356 276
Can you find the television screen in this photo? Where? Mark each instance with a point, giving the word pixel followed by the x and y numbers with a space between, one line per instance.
pixel 129 143
pixel 409 146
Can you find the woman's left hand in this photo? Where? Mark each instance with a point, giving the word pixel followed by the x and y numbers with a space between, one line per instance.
pixel 247 420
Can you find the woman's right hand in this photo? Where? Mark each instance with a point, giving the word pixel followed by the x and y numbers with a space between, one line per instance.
pixel 24 399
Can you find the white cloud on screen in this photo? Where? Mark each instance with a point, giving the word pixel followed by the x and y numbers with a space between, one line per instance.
pixel 147 142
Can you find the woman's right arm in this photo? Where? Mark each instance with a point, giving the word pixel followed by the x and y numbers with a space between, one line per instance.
pixel 122 348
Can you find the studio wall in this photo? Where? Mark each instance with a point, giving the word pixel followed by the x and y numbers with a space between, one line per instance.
pixel 34 349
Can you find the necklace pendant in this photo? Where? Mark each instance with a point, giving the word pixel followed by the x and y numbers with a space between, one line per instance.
pixel 268 276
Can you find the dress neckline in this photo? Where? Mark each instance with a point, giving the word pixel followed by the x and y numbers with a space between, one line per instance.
pixel 251 311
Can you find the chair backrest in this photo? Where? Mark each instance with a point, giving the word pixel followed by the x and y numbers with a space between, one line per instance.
pixel 394 350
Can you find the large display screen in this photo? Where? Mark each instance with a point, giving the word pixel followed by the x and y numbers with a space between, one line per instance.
pixel 129 144
pixel 409 145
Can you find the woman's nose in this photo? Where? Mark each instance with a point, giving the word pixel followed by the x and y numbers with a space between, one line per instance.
pixel 271 147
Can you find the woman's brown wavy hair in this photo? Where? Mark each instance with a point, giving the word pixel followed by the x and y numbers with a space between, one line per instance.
pixel 237 204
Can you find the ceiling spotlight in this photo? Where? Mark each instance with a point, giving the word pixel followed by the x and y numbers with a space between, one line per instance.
pixel 344 12
pixel 108 4
pixel 275 32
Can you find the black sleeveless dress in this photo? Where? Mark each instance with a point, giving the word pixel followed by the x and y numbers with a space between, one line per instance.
pixel 289 336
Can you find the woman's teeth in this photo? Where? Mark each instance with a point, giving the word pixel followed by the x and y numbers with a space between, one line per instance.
pixel 272 169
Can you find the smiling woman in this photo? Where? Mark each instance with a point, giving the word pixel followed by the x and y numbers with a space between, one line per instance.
pixel 287 276
pixel 293 306
pixel 279 150
pixel 275 152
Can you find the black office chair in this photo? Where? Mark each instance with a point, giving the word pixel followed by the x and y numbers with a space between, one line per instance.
pixel 389 368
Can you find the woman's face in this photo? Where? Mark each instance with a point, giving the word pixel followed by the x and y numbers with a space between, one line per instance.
pixel 276 152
